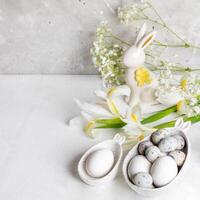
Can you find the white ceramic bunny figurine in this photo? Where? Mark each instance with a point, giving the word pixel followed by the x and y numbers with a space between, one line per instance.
pixel 141 80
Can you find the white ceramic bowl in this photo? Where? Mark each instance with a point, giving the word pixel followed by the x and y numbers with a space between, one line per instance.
pixel 115 145
pixel 173 183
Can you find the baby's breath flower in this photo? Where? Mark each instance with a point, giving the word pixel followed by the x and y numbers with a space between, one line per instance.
pixel 187 89
pixel 128 13
pixel 107 56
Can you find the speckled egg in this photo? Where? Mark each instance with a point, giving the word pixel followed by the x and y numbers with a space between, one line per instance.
pixel 143 179
pixel 138 164
pixel 179 157
pixel 158 135
pixel 163 170
pixel 168 144
pixel 152 153
pixel 143 146
pixel 180 141
pixel 99 163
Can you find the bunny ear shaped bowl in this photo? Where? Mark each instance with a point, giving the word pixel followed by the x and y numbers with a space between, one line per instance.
pixel 162 168
pixel 100 163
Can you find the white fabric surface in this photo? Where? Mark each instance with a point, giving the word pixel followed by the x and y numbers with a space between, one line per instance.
pixel 39 152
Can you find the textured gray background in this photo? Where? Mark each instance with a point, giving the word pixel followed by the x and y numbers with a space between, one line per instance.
pixel 54 36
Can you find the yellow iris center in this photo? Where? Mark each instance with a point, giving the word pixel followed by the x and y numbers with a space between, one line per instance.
pixel 111 91
pixel 141 137
pixel 134 117
pixel 183 84
pixel 112 107
pixel 142 76
pixel 88 127
pixel 179 105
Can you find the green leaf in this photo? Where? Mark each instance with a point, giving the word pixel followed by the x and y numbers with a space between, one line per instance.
pixel 110 121
pixel 159 115
pixel 165 125
pixel 193 119
pixel 111 126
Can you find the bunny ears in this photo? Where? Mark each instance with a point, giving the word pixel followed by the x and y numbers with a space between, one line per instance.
pixel 181 125
pixel 142 40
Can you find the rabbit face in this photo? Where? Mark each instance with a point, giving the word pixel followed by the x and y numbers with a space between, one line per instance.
pixel 134 57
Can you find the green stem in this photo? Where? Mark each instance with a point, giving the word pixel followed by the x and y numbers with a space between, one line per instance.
pixel 158 43
pixel 173 32
pixel 173 68
pixel 163 24
pixel 169 124
pixel 177 68
pixel 159 115
pixel 165 125
pixel 119 39
pixel 156 12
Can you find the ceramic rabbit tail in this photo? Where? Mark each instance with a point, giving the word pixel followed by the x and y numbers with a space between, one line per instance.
pixel 141 80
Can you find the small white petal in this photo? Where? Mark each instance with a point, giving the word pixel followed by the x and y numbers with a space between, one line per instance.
pixel 170 98
pixel 76 122
pixel 87 116
pixel 93 109
pixel 101 94
pixel 122 90
pixel 147 109
pixel 121 106
pixel 131 130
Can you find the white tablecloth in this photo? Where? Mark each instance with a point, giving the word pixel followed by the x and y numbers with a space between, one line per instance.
pixel 39 152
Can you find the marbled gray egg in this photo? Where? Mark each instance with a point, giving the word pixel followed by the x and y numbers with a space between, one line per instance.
pixel 168 144
pixel 158 135
pixel 179 157
pixel 181 142
pixel 152 153
pixel 143 179
pixel 143 146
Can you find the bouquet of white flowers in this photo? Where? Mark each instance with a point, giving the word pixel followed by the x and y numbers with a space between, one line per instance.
pixel 141 88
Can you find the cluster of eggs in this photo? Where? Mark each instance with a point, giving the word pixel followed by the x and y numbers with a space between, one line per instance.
pixel 158 160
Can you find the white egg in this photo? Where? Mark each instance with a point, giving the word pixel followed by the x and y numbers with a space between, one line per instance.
pixel 143 146
pixel 138 164
pixel 99 163
pixel 143 179
pixel 168 144
pixel 163 170
pixel 179 157
pixel 181 142
pixel 152 153
pixel 158 135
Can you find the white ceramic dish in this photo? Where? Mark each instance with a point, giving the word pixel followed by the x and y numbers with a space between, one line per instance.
pixel 180 127
pixel 115 145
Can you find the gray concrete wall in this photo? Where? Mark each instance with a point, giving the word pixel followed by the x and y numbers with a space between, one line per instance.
pixel 54 36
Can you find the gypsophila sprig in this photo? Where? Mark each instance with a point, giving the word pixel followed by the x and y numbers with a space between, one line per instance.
pixel 173 88
pixel 129 13
pixel 106 56
pixel 185 91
